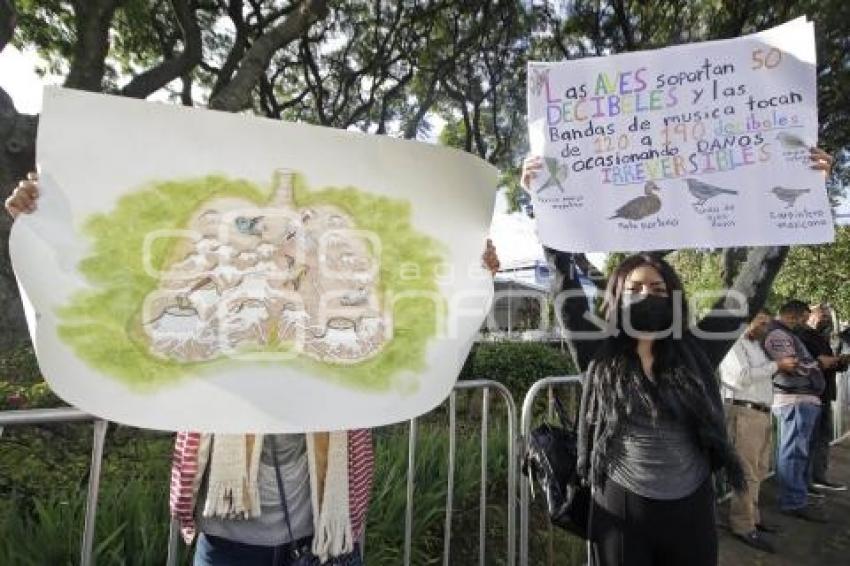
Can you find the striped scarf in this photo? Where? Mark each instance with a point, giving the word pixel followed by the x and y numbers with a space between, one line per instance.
pixel 192 451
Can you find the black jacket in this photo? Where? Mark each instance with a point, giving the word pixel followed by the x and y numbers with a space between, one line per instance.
pixel 818 345
pixel 705 353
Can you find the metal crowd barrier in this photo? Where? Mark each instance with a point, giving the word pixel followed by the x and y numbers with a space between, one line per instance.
pixel 515 446
pixel 413 428
pixel 841 408
pixel 525 429
pixel 67 415
pixel 485 386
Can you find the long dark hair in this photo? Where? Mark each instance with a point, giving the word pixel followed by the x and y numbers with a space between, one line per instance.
pixel 674 385
pixel 682 385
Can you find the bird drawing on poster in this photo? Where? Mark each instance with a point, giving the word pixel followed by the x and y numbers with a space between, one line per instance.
pixel 249 226
pixel 642 206
pixel 556 170
pixel 704 191
pixel 539 78
pixel 791 141
pixel 788 196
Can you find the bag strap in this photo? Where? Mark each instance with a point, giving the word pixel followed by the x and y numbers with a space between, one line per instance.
pixel 562 413
pixel 281 491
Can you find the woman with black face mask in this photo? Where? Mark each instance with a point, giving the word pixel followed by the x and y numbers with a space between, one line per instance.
pixel 652 428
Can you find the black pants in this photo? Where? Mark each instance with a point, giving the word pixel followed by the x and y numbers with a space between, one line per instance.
pixel 821 438
pixel 630 530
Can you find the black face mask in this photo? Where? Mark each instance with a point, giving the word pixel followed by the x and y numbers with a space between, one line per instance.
pixel 648 313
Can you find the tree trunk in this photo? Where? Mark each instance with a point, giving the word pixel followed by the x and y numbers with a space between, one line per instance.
pixel 17 157
pixel 88 62
pixel 236 95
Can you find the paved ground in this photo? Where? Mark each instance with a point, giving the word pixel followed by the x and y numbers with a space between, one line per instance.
pixel 801 543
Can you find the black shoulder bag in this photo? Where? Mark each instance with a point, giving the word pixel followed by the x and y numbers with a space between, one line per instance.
pixel 550 461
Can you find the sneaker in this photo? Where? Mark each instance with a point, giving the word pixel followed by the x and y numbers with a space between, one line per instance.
pixel 768 528
pixel 755 540
pixel 829 485
pixel 812 492
pixel 806 514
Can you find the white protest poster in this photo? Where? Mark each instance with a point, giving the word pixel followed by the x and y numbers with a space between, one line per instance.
pixel 701 145
pixel 197 270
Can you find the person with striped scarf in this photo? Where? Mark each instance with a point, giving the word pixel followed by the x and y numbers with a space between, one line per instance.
pixel 267 500
pixel 263 500
pixel 227 488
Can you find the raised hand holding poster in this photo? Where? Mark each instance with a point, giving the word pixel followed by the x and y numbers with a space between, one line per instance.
pixel 196 270
pixel 702 145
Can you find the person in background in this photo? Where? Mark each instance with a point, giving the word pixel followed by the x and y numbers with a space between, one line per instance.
pixel 796 404
pixel 815 335
pixel 747 376
pixel 844 342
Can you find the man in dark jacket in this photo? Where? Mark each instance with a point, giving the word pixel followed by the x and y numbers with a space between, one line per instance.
pixel 815 336
pixel 796 404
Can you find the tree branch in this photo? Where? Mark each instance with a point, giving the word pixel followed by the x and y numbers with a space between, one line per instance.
pixel 625 25
pixel 8 17
pixel 236 95
pixel 240 44
pixel 17 157
pixel 88 61
pixel 145 84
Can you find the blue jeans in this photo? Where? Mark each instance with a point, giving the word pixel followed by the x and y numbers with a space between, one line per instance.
pixel 217 551
pixel 796 426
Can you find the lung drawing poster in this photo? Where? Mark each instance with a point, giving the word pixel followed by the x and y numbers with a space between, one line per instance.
pixel 195 270
pixel 701 145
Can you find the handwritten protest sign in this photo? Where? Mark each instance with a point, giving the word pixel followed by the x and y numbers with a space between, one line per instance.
pixel 702 145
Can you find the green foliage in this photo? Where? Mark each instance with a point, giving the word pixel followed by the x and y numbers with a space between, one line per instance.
pixel 43 481
pixel 21 386
pixel 817 274
pixel 516 364
pixel 42 504
pixel 700 274
pixel 385 529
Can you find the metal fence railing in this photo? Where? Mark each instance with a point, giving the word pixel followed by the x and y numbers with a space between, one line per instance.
pixel 515 445
pixel 841 407
pixel 841 431
pixel 485 386
pixel 549 384
pixel 69 415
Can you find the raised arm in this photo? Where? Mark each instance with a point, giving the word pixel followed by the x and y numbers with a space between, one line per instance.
pixel 575 309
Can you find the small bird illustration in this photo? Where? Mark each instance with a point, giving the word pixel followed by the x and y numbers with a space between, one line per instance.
pixel 704 191
pixel 791 141
pixel 539 77
pixel 641 207
pixel 556 170
pixel 249 226
pixel 789 196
